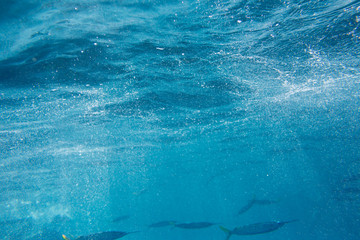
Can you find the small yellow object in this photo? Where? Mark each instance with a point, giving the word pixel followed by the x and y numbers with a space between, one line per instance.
pixel 64 237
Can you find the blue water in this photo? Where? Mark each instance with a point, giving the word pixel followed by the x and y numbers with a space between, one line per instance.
pixel 153 110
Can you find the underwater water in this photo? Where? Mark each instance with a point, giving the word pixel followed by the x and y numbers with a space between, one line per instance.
pixel 117 114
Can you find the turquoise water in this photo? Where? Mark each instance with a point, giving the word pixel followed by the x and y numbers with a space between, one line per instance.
pixel 119 114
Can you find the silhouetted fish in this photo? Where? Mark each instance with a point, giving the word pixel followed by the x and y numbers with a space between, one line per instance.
pixel 351 178
pixel 46 234
pixel 121 218
pixel 194 225
pixel 162 224
pixel 254 201
pixel 112 235
pixel 247 206
pixel 265 201
pixel 352 190
pixel 256 228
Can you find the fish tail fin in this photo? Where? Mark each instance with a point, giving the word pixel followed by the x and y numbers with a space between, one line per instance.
pixel 227 231
pixel 64 237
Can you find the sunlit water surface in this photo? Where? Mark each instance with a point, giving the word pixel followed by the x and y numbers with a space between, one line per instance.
pixel 153 110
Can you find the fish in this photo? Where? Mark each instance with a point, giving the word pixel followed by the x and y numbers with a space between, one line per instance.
pixel 121 218
pixel 247 206
pixel 351 178
pixel 162 224
pixel 111 235
pixel 351 190
pixel 256 228
pixel 254 201
pixel 194 225
pixel 265 201
pixel 46 234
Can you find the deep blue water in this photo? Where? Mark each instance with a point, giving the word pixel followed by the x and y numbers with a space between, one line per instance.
pixel 153 110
